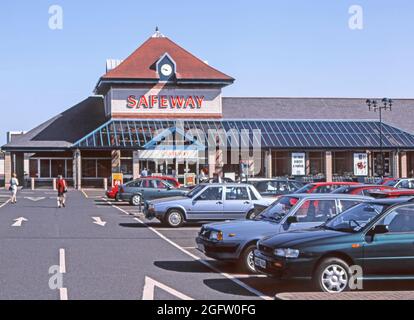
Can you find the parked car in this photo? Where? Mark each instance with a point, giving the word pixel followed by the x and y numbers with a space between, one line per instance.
pixel 207 202
pixel 236 240
pixel 323 187
pixel 140 190
pixel 393 193
pixel 275 187
pixel 112 192
pixel 401 183
pixel 377 235
pixel 363 189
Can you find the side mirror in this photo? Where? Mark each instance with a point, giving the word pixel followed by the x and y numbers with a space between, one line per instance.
pixel 380 229
pixel 292 219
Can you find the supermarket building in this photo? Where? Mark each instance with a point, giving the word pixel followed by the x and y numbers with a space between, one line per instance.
pixel 162 91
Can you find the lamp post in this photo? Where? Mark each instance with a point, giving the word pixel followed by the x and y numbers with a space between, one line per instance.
pixel 373 105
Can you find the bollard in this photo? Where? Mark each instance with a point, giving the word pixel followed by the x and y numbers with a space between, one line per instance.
pixel 105 182
pixel 32 183
pixel 54 184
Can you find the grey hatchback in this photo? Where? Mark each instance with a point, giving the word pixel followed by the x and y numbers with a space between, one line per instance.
pixel 141 190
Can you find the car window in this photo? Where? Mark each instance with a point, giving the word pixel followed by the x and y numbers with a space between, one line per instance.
pixel 134 184
pixel 278 209
pixel 237 193
pixel 252 194
pixel 347 204
pixel 147 183
pixel 211 193
pixel 400 220
pixel 326 189
pixel 159 184
pixel 316 210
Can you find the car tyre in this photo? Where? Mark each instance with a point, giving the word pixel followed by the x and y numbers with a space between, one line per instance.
pixel 174 218
pixel 250 215
pixel 332 275
pixel 246 259
pixel 136 200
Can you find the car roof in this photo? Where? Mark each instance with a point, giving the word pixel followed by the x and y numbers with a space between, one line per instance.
pixel 391 201
pixel 327 196
pixel 227 184
pixel 347 183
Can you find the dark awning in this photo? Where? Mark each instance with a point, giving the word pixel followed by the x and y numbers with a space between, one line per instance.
pixel 278 134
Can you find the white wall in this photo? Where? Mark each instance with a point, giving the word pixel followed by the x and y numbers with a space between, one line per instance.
pixel 1 166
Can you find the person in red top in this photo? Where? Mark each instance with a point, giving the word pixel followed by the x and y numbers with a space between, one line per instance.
pixel 61 189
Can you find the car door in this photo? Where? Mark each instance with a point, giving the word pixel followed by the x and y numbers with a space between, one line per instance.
pixel 237 202
pixel 208 205
pixel 147 189
pixel 392 253
pixel 311 213
pixel 161 189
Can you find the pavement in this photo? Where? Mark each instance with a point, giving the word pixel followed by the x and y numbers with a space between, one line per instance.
pixel 107 250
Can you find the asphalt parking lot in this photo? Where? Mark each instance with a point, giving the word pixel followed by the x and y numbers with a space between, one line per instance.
pixel 108 250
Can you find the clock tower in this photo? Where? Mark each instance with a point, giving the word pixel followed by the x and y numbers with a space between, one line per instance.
pixel 166 68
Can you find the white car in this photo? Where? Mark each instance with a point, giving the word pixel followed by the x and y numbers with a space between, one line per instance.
pixel 401 183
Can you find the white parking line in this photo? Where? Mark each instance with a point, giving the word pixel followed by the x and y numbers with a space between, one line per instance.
pixel 2 205
pixel 62 261
pixel 207 264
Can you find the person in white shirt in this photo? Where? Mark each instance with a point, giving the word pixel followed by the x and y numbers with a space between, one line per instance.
pixel 14 183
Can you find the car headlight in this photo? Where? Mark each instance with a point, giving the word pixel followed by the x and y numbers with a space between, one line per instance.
pixel 216 235
pixel 151 206
pixel 287 253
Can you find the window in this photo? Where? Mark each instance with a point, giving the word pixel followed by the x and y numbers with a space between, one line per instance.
pixel 147 183
pixel 44 168
pixel 212 193
pixel 104 168
pixel 252 194
pixel 89 168
pixel 406 184
pixel 400 220
pixel 316 210
pixel 237 193
pixel 159 184
pixel 69 169
pixel 347 204
pixel 58 168
pixel 33 169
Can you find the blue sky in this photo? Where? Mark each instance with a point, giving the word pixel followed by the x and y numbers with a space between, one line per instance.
pixel 272 48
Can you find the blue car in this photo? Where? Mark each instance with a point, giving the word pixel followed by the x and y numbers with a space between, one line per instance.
pixel 236 240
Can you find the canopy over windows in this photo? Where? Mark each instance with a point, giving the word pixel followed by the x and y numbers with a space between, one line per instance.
pixel 280 134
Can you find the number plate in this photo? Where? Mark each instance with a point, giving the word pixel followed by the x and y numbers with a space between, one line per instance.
pixel 260 262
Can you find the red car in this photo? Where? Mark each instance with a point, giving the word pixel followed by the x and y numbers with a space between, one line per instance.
pixel 112 192
pixel 324 187
pixel 395 193
pixel 362 190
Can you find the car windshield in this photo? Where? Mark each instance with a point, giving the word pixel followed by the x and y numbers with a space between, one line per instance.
pixel 355 218
pixel 196 190
pixel 342 190
pixel 305 189
pixel 390 183
pixel 278 209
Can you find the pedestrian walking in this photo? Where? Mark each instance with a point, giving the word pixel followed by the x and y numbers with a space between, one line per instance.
pixel 14 183
pixel 62 190
pixel 144 173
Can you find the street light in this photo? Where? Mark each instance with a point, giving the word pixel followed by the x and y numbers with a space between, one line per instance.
pixel 373 105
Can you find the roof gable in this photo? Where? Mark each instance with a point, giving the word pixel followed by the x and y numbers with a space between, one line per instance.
pixel 141 64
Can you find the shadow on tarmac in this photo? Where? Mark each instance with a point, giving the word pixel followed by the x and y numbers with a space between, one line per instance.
pixel 191 266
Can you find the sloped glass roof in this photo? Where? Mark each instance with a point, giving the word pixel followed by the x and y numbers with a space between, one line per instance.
pixel 278 134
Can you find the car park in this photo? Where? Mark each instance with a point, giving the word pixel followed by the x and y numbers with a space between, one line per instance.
pixel 275 187
pixel 363 189
pixel 140 190
pixel 401 183
pixel 236 240
pixel 376 236
pixel 323 187
pixel 207 202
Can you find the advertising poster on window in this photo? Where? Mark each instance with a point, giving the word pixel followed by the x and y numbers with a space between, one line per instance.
pixel 360 164
pixel 117 179
pixel 298 164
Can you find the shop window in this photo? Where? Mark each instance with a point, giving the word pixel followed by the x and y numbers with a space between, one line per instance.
pixel 58 168
pixel 105 168
pixel 89 168
pixel 45 168
pixel 317 163
pixel 281 164
pixel 69 169
pixel 33 168
pixel 126 166
pixel 342 163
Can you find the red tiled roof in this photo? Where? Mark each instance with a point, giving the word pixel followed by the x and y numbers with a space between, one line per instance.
pixel 141 63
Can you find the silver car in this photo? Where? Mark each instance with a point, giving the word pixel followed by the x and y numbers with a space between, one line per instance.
pixel 207 202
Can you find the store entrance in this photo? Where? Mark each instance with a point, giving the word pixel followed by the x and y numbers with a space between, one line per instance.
pixel 381 167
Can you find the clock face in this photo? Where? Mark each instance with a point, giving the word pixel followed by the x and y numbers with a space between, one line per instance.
pixel 166 70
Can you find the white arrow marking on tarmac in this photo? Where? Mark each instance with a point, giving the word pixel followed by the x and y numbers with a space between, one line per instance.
pixel 150 284
pixel 98 221
pixel 34 198
pixel 18 222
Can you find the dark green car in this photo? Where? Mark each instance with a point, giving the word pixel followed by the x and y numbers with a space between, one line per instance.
pixel 371 241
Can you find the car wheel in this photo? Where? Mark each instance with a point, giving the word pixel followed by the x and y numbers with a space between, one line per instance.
pixel 247 260
pixel 332 275
pixel 136 200
pixel 250 215
pixel 174 218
